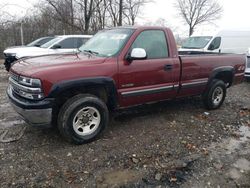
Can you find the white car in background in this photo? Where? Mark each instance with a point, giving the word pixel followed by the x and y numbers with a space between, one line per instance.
pixel 37 42
pixel 60 44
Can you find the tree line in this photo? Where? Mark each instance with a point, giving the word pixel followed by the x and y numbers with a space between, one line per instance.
pixel 58 17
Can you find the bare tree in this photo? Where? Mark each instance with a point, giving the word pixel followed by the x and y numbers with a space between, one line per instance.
pixel 125 11
pixel 56 17
pixel 196 12
pixel 63 12
pixel 5 15
pixel 99 18
pixel 132 9
pixel 87 8
pixel 113 9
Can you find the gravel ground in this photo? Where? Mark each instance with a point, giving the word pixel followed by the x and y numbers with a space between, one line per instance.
pixel 168 144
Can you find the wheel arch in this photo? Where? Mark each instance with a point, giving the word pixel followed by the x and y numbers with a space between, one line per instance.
pixel 103 87
pixel 226 74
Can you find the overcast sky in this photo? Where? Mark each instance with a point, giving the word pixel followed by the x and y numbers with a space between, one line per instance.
pixel 236 14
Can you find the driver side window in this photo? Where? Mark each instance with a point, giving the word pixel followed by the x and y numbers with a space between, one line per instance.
pixel 153 42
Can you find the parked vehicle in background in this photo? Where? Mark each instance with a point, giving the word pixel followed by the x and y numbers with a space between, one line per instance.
pixel 247 71
pixel 117 68
pixel 39 42
pixel 10 57
pixel 59 44
pixel 224 41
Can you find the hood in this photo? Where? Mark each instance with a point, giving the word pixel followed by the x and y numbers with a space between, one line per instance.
pixel 13 50
pixel 30 66
pixel 25 51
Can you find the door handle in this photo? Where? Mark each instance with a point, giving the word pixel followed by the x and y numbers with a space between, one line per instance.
pixel 168 67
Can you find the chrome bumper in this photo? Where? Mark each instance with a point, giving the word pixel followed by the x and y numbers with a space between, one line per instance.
pixel 37 113
pixel 247 72
pixel 35 117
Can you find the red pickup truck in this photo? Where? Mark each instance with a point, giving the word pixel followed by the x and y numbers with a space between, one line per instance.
pixel 117 68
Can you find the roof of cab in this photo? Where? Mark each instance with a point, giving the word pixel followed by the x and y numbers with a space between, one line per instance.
pixel 74 36
pixel 138 27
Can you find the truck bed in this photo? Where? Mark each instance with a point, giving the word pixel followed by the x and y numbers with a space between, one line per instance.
pixel 196 70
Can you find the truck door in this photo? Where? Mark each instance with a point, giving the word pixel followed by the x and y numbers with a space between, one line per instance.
pixel 150 79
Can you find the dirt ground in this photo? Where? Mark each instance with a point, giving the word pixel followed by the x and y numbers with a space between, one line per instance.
pixel 168 144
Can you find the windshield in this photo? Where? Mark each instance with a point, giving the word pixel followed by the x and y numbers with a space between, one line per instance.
pixel 196 42
pixel 33 43
pixel 108 42
pixel 40 41
pixel 48 44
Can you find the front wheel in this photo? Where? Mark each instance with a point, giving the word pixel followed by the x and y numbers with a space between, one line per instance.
pixel 215 95
pixel 82 118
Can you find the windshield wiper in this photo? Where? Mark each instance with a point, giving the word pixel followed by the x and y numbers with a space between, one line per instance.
pixel 91 52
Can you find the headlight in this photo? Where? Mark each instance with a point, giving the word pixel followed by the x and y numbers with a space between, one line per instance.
pixel 10 54
pixel 30 81
pixel 29 88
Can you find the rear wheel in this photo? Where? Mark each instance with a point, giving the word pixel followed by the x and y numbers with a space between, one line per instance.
pixel 82 118
pixel 215 95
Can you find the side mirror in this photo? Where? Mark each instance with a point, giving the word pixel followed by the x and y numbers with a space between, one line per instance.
pixel 137 54
pixel 56 46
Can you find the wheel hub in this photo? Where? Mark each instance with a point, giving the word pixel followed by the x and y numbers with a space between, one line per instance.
pixel 86 121
pixel 217 95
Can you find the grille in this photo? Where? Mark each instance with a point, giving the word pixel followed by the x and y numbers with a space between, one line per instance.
pixel 14 76
pixel 15 89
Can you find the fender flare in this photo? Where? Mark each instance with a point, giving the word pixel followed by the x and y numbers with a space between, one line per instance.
pixel 106 82
pixel 219 70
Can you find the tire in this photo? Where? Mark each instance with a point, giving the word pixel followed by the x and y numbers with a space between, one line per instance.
pixel 82 118
pixel 215 95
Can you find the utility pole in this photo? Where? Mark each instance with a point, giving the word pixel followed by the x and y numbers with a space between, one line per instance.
pixel 120 12
pixel 21 32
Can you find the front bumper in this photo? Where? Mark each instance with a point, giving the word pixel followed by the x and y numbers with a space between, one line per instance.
pixel 36 113
pixel 247 72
